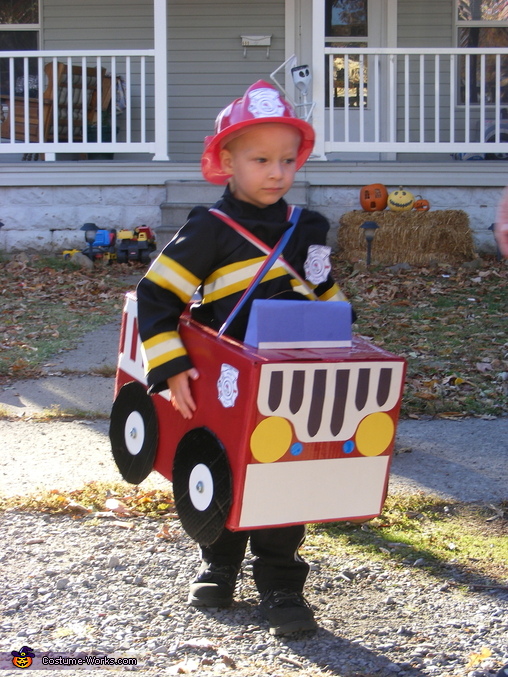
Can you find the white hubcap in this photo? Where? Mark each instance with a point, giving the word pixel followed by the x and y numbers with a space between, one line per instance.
pixel 201 487
pixel 134 433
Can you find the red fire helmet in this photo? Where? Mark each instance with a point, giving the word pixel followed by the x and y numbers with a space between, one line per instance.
pixel 261 103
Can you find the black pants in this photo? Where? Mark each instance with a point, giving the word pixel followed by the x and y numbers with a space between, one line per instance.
pixel 277 564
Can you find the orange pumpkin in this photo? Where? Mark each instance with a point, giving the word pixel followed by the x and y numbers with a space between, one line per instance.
pixel 22 661
pixel 373 198
pixel 421 205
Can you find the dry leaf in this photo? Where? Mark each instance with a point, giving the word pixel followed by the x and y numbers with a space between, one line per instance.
pixel 119 508
pixel 77 507
pixel 226 659
pixel 476 658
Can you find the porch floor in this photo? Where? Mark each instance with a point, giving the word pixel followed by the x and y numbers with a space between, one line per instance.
pixel 316 173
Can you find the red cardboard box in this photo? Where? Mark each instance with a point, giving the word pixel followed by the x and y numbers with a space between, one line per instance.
pixel 280 436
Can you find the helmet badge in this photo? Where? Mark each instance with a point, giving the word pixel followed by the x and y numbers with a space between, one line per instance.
pixel 265 103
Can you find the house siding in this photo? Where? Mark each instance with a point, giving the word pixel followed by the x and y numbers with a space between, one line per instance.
pixel 115 24
pixel 207 66
pixel 426 23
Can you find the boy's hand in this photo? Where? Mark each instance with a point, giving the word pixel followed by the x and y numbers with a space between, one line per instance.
pixel 181 396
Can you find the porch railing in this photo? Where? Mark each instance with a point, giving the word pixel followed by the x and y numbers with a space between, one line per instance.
pixel 85 102
pixel 412 100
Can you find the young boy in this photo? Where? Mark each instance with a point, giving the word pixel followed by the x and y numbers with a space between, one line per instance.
pixel 258 146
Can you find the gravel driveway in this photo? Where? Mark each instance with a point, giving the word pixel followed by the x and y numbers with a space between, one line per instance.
pixel 105 586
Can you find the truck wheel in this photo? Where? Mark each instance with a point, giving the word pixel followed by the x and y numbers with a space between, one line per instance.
pixel 133 432
pixel 202 485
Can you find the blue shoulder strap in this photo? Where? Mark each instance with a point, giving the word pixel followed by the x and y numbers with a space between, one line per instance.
pixel 265 267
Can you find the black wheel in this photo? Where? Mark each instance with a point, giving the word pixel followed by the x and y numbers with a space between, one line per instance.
pixel 144 257
pixel 498 156
pixel 133 432
pixel 202 485
pixel 121 257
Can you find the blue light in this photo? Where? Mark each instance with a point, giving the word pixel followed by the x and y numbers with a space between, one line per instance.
pixel 297 449
pixel 348 447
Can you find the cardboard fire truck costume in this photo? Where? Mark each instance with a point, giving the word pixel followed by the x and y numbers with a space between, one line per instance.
pixel 286 431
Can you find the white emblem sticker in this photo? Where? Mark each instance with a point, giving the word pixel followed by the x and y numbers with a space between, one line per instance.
pixel 265 103
pixel 317 266
pixel 227 385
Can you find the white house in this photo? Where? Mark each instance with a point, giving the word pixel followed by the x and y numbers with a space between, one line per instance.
pixel 402 92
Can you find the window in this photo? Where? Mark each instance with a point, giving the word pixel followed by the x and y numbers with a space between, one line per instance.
pixel 346 18
pixel 346 26
pixel 482 23
pixel 19 31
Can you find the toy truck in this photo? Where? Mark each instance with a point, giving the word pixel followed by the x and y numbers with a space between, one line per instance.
pixel 280 436
pixel 135 245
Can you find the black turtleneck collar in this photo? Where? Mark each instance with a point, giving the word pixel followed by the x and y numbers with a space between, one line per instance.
pixel 245 211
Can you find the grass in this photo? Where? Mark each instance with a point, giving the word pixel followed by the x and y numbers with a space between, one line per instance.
pixel 466 543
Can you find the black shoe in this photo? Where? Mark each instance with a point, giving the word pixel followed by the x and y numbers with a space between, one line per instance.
pixel 286 611
pixel 213 586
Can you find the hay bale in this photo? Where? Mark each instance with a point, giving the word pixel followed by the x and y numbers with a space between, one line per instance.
pixel 417 238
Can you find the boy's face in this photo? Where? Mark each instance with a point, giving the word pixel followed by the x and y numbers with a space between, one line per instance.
pixel 262 162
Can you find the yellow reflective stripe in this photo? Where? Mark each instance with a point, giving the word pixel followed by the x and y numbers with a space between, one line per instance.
pixel 302 289
pixel 236 266
pixel 235 278
pixel 168 274
pixel 333 294
pixel 162 348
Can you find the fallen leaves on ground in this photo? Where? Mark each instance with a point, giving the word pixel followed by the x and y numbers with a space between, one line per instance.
pixel 44 304
pixel 449 323
pixel 97 500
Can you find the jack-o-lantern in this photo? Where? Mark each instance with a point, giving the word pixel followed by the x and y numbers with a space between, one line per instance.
pixel 400 200
pixel 373 198
pixel 421 205
pixel 22 661
pixel 23 658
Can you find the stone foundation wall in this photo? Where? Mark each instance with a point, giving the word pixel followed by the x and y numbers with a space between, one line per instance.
pixel 49 218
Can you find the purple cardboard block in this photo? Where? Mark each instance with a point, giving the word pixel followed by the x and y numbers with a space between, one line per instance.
pixel 299 324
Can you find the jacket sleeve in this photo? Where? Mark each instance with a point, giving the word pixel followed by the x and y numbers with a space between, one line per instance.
pixel 164 293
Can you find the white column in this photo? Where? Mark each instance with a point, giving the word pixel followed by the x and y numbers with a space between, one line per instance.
pixel 161 80
pixel 318 77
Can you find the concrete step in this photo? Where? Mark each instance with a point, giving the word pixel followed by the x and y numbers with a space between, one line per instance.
pixel 182 196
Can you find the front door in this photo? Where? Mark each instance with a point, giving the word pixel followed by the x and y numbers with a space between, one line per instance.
pixel 344 23
pixel 357 24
